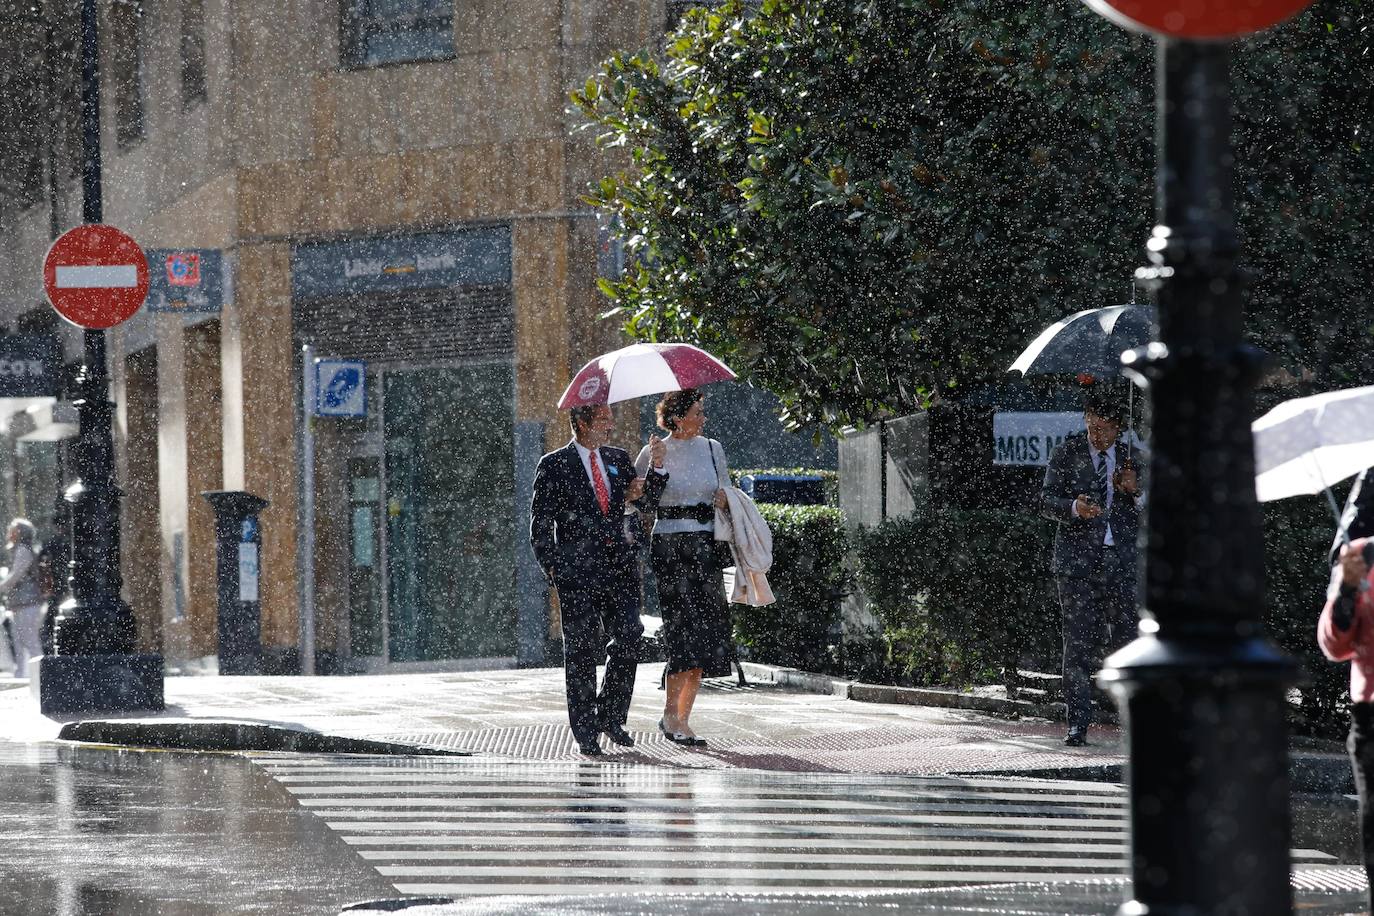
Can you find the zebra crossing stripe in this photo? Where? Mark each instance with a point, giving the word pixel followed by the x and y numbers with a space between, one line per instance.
pixel 465 827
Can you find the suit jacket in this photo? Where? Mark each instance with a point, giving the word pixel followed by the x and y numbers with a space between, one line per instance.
pixel 575 543
pixel 1078 541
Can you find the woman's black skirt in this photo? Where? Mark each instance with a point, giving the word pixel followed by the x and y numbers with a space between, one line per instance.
pixel 691 596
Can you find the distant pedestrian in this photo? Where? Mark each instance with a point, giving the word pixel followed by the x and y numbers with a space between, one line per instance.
pixel 23 594
pixel 1093 490
pixel 687 559
pixel 584 542
pixel 1345 632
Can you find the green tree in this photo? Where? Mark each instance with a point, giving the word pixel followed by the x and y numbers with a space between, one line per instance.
pixel 860 203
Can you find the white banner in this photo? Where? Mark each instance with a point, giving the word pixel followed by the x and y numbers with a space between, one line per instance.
pixel 1029 438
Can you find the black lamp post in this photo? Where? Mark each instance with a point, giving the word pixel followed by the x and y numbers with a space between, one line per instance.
pixel 1202 691
pixel 95 667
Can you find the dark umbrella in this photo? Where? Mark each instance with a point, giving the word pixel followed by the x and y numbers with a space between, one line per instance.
pixel 1090 342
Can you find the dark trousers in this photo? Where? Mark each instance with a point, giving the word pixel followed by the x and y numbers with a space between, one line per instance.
pixel 1099 617
pixel 600 623
pixel 1361 747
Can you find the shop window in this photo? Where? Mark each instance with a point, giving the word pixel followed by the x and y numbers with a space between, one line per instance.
pixel 193 89
pixel 126 69
pixel 375 32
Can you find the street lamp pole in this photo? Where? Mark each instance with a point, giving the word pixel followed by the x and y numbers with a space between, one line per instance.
pixel 1202 691
pixel 95 667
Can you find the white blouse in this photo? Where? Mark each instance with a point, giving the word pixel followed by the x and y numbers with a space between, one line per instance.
pixel 692 480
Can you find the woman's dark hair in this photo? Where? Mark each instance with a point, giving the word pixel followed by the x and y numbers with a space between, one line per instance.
pixel 675 405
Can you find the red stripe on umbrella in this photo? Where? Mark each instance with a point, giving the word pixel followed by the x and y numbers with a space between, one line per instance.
pixel 642 369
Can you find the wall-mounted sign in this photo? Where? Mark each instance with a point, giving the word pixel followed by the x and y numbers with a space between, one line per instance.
pixel 340 388
pixel 186 280
pixel 1028 438
pixel 468 257
pixel 30 366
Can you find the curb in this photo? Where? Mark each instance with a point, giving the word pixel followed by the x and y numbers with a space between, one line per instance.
pixel 910 696
pixel 203 735
pixel 797 679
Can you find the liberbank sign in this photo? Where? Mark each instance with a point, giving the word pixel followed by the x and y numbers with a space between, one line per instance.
pixel 480 256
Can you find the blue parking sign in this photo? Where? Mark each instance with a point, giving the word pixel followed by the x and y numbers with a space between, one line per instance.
pixel 340 388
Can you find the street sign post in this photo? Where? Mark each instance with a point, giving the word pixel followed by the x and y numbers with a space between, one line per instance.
pixel 95 276
pixel 1202 690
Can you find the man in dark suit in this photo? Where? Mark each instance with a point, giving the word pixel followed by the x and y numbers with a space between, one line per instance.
pixel 1093 490
pixel 586 546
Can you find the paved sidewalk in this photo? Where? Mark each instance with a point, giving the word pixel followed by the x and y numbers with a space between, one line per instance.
pixel 521 714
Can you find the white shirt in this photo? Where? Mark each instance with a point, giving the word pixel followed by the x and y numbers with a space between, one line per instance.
pixel 586 455
pixel 1097 456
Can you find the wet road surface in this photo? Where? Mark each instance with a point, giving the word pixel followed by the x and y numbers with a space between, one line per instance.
pixel 107 832
pixel 88 831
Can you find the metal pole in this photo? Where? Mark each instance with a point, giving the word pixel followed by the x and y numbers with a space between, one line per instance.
pixel 95 620
pixel 1201 691
pixel 307 539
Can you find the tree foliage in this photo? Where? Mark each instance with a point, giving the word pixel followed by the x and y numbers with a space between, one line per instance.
pixel 861 203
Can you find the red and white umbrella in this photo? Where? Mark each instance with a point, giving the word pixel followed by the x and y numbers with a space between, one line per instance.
pixel 642 369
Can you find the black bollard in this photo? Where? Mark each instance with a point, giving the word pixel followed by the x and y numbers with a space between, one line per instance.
pixel 238 548
pixel 1201 691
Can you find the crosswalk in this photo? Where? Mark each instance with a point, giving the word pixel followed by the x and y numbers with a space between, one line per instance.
pixel 481 826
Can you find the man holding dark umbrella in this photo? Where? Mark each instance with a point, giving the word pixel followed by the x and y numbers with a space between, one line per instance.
pixel 583 542
pixel 1093 490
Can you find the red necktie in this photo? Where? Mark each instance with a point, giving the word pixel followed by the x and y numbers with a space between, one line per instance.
pixel 603 496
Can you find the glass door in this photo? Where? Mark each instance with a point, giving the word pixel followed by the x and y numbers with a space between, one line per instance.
pixel 450 530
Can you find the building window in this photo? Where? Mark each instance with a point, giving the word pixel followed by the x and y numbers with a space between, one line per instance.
pixel 373 32
pixel 192 53
pixel 126 69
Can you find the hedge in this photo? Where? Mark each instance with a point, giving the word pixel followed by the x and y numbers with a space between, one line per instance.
pixel 809 579
pixel 962 596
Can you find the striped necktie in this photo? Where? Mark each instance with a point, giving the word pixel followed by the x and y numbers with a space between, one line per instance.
pixel 1103 494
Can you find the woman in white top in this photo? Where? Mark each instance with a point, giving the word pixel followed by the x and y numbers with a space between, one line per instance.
pixel 23 594
pixel 691 594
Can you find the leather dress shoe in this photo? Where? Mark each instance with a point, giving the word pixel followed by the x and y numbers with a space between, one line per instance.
pixel 618 735
pixel 590 749
pixel 1077 736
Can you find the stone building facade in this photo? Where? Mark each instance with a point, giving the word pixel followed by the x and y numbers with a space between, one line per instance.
pixel 400 187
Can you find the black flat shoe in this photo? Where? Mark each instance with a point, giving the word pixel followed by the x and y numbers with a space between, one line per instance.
pixel 1077 736
pixel 675 737
pixel 590 749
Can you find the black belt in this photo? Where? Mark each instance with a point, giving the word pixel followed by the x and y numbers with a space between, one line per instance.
pixel 701 512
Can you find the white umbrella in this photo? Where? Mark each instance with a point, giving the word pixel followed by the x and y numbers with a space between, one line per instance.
pixel 1305 445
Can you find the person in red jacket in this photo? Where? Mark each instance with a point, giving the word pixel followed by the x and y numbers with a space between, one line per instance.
pixel 1346 633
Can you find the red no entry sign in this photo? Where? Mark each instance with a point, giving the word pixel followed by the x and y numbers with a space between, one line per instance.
pixel 1200 19
pixel 95 276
